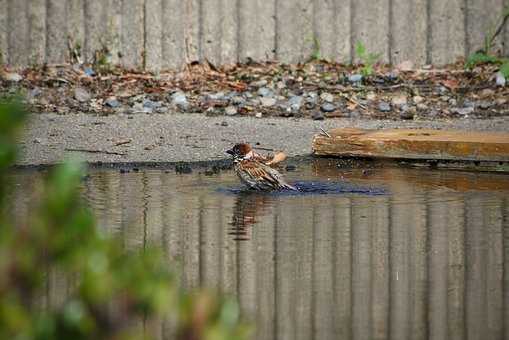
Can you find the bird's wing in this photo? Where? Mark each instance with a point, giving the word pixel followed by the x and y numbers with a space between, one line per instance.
pixel 262 173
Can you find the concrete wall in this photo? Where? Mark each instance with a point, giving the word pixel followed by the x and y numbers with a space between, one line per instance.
pixel 162 34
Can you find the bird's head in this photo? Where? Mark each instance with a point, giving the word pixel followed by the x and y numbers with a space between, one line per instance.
pixel 240 151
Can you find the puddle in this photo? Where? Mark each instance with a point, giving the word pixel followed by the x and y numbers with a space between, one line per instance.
pixel 356 253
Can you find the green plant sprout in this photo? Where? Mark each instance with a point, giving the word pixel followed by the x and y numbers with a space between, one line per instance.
pixel 485 55
pixel 368 60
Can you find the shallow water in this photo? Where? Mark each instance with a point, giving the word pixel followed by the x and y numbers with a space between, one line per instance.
pixel 385 253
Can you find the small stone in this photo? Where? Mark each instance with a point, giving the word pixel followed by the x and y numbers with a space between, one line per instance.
pixel 265 92
pixel 453 102
pixel 500 79
pixel 355 78
pixel 487 93
pixel 183 168
pixel 327 97
pixel 81 95
pixel 238 100
pixel 291 167
pixel 417 99
pixel 399 100
pixel 501 101
pixel 216 96
pixel 422 107
pixel 371 96
pixel 230 111
pixel 112 102
pixel 223 123
pixel 327 107
pixel 384 107
pixel 89 71
pixel 259 83
pixel 13 76
pixel 463 111
pixel 318 115
pixel 407 114
pixel 179 100
pixel 123 171
pixel 147 103
pixel 485 104
pixel 445 98
pixel 294 104
pixel 258 115
pixel 280 85
pixel 268 101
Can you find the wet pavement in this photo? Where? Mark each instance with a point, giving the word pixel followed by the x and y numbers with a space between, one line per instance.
pixel 190 137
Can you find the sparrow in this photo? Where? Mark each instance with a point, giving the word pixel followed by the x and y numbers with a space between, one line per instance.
pixel 254 173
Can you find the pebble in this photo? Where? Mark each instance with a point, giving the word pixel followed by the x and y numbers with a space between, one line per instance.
pixel 291 167
pixel 500 79
pixel 399 100
pixel 147 103
pixel 294 104
pixel 216 96
pixel 318 115
pixel 81 95
pixel 13 76
pixel 327 97
pixel 453 102
pixel 230 111
pixel 268 101
pixel 422 107
pixel 384 107
pixel 259 83
pixel 484 104
pixel 371 96
pixel 265 92
pixel 179 99
pixel 355 78
pixel 238 100
pixel 223 123
pixel 407 114
pixel 112 102
pixel 327 107
pixel 258 115
pixel 463 111
pixel 89 71
pixel 417 99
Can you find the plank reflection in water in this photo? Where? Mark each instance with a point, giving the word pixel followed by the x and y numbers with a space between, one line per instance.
pixel 420 262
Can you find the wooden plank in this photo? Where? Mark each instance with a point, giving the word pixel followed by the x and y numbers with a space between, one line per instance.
pixel 132 36
pixel 174 43
pixel 414 144
pixel 18 32
pixel 332 29
pixel 482 17
pixel 294 34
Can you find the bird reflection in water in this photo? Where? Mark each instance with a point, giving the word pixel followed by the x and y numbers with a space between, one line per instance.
pixel 249 207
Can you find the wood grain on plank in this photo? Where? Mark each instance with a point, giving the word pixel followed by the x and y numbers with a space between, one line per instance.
pixel 414 144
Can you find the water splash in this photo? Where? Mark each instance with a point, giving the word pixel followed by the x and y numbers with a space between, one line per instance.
pixel 314 188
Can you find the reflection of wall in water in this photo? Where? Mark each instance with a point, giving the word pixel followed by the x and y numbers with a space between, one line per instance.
pixel 418 264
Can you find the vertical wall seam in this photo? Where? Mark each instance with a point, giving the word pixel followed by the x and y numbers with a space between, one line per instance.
pixel 276 29
pixel 352 31
pixel 201 56
pixel 466 39
pixel 237 31
pixel 46 30
pixel 429 33
pixel 144 52
pixel 390 31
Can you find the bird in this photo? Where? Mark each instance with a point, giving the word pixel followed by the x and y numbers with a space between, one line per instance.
pixel 253 173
